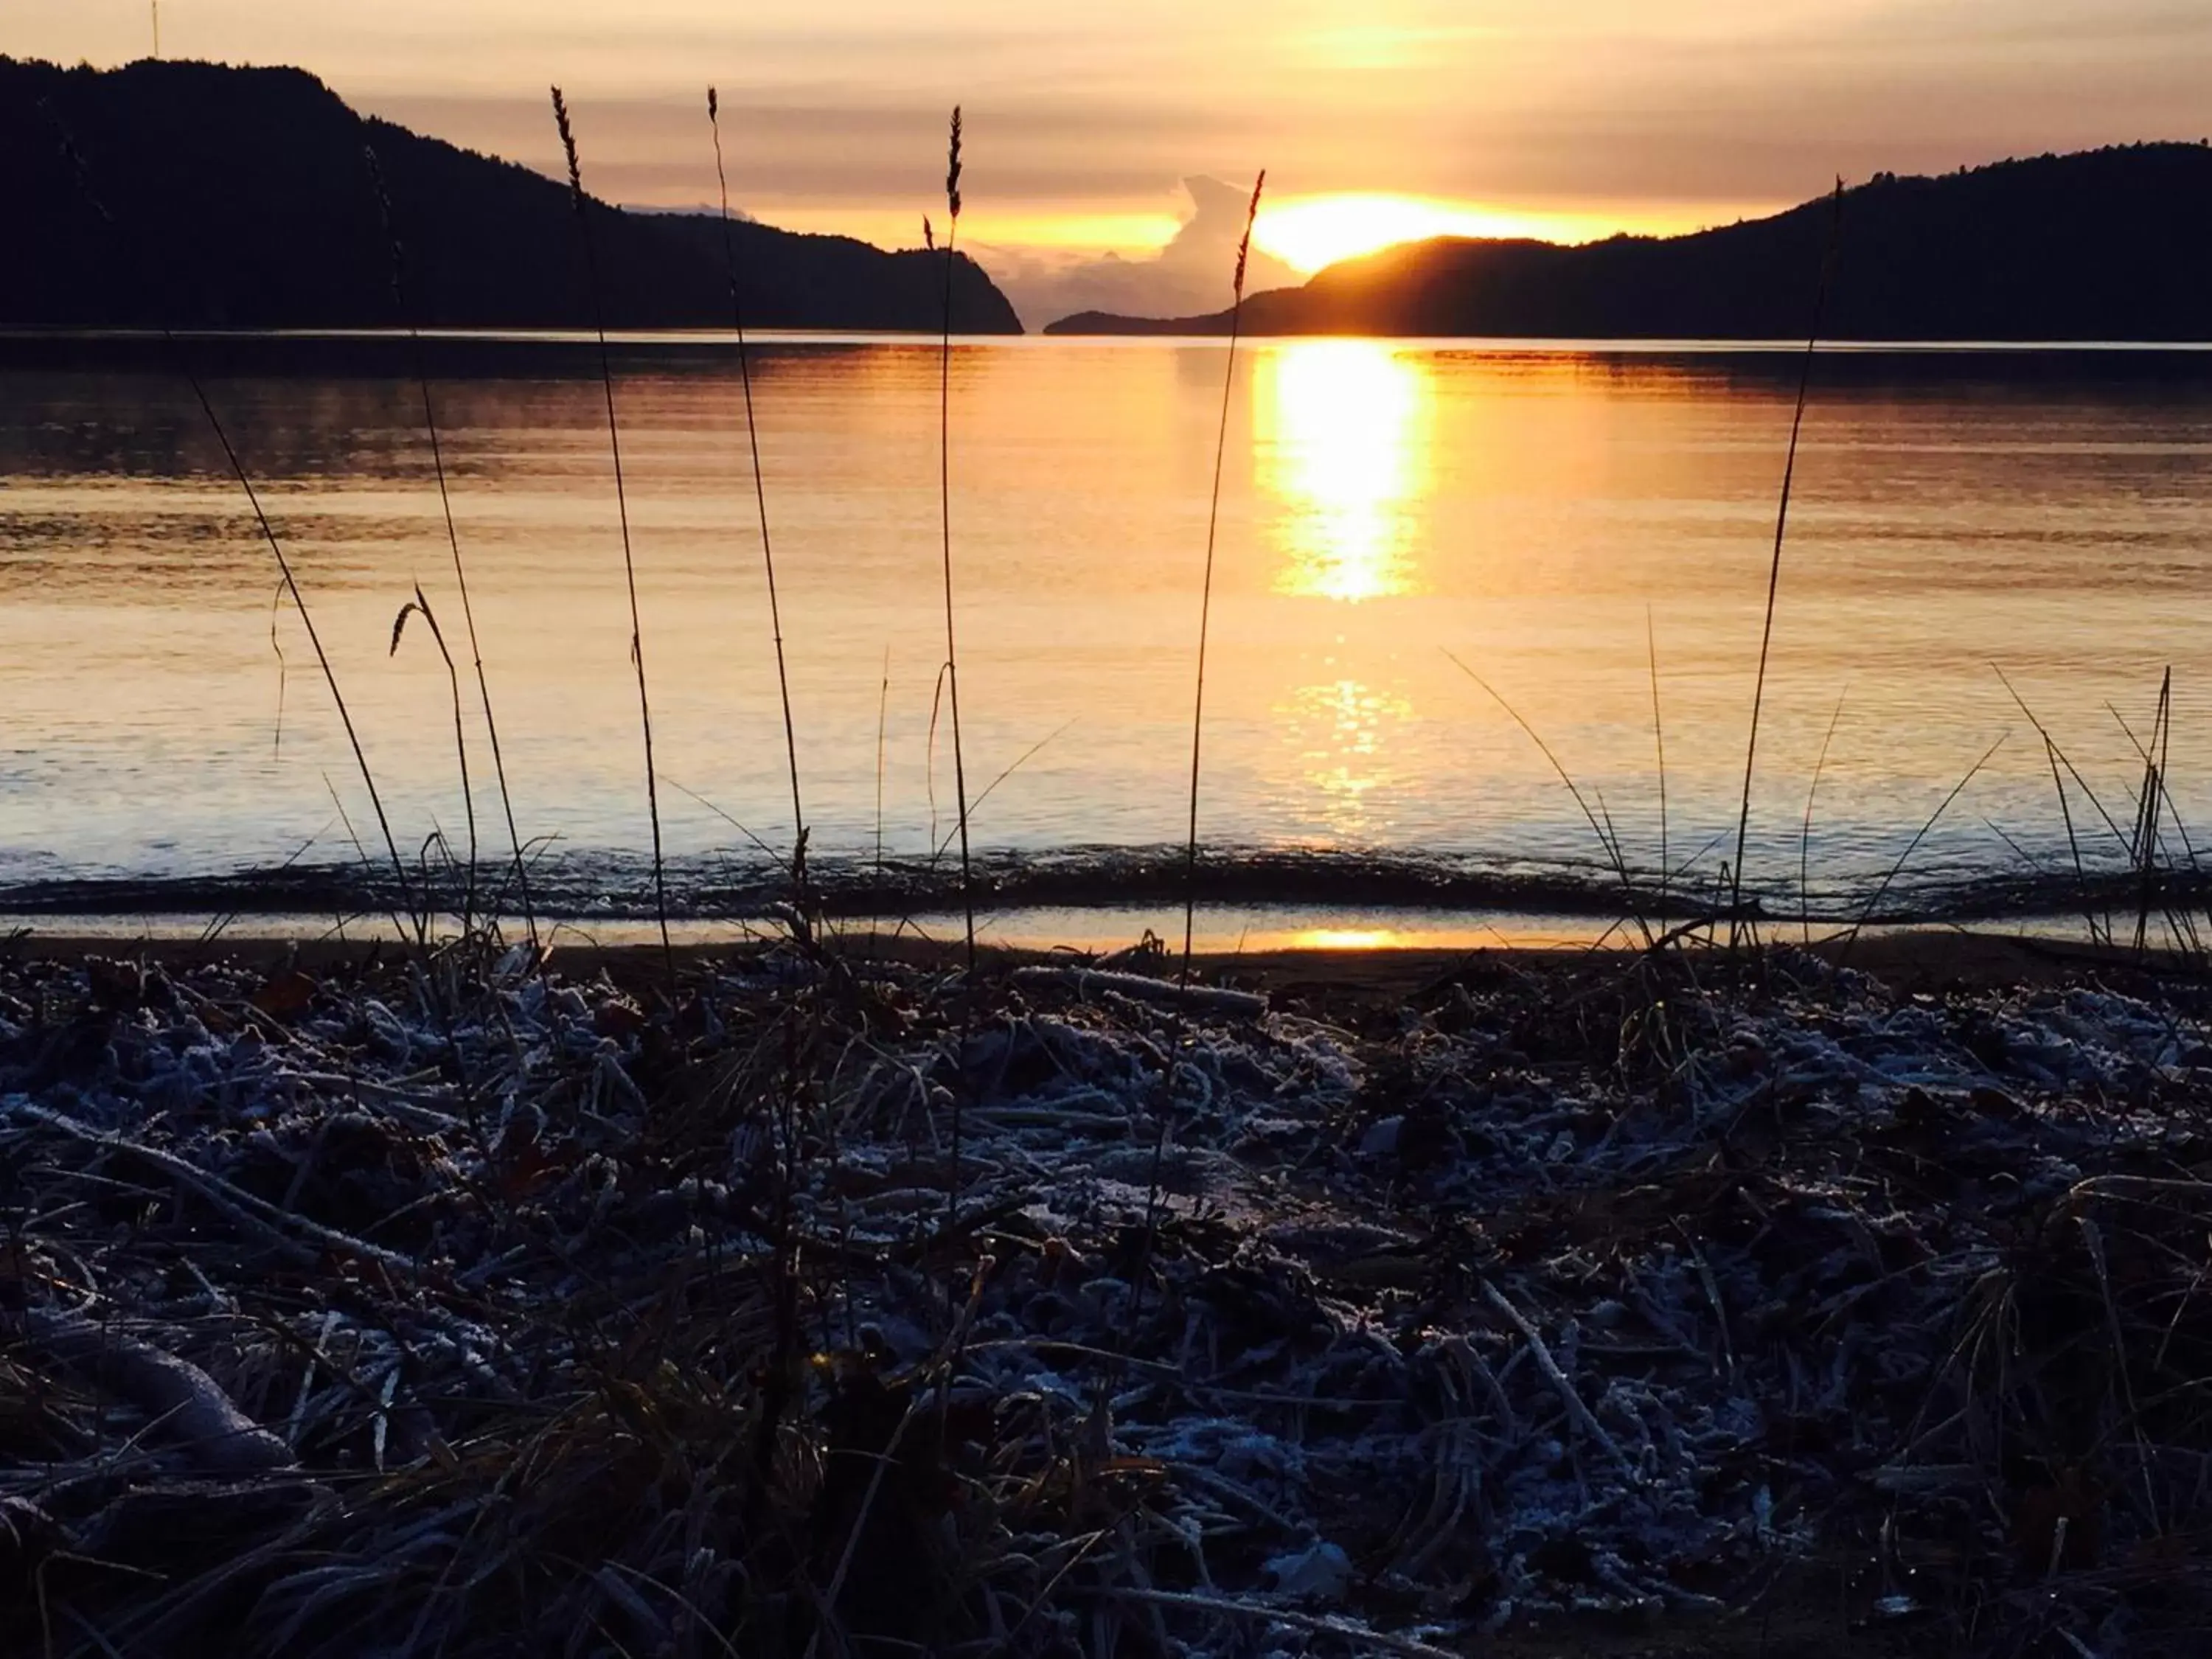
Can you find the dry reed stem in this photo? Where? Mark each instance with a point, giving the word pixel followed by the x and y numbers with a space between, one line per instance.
pixel 952 169
pixel 2057 758
pixel 1011 767
pixel 2147 807
pixel 453 542
pixel 1913 846
pixel 882 716
pixel 1206 591
pixel 2164 789
pixel 2041 731
pixel 421 603
pixel 622 507
pixel 1805 837
pixel 1781 531
pixel 952 651
pixel 760 501
pixel 1659 738
pixel 1609 842
pixel 2159 791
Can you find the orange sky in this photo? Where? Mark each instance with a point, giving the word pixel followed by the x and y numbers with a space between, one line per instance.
pixel 1564 118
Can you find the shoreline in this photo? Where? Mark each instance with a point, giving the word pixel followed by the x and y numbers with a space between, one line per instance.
pixel 1075 889
pixel 1922 957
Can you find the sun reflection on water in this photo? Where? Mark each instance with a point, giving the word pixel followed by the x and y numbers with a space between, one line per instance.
pixel 1339 732
pixel 1341 430
pixel 1349 938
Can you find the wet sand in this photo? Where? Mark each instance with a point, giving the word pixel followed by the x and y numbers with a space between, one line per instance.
pixel 1924 959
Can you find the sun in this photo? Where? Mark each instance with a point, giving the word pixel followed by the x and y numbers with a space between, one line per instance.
pixel 1307 232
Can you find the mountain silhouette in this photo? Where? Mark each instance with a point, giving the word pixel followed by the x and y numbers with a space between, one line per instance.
pixel 2105 245
pixel 241 199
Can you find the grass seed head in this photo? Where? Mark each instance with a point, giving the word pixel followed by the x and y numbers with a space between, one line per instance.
pixel 1251 216
pixel 73 158
pixel 952 169
pixel 568 146
pixel 391 227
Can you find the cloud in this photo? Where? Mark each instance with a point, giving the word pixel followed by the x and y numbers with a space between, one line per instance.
pixel 785 150
pixel 1187 277
pixel 836 114
pixel 1591 106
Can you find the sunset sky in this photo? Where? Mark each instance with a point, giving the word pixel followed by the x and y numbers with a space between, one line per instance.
pixel 1560 118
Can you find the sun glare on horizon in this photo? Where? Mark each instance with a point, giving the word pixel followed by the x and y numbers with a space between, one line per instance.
pixel 1316 231
pixel 1307 232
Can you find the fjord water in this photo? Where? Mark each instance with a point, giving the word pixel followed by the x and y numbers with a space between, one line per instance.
pixel 1530 510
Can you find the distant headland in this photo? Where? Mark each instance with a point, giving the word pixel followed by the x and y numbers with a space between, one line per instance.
pixel 241 199
pixel 2105 245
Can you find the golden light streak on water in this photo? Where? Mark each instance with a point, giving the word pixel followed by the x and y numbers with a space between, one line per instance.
pixel 1342 431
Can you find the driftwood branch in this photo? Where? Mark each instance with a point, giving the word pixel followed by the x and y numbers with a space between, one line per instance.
pixel 1200 999
pixel 189 1407
pixel 240 1205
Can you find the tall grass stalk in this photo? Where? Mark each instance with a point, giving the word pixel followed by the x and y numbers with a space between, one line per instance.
pixel 944 503
pixel 422 604
pixel 1659 738
pixel 1781 532
pixel 1206 590
pixel 2148 805
pixel 2181 922
pixel 73 158
pixel 2074 845
pixel 284 670
pixel 2060 759
pixel 453 544
pixel 2164 789
pixel 1012 767
pixel 1805 835
pixel 2072 771
pixel 760 500
pixel 883 721
pixel 622 507
pixel 2057 758
pixel 359 852
pixel 1607 839
pixel 952 672
pixel 1913 846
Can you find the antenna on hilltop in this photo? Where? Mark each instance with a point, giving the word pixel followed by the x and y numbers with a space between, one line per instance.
pixel 157 27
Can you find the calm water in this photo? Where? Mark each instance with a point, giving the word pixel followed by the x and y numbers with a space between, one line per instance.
pixel 1530 511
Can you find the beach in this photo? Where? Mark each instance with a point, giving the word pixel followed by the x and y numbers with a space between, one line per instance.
pixel 1469 929
pixel 1637 1301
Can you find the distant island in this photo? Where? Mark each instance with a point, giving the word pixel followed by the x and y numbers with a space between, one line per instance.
pixel 240 198
pixel 2106 244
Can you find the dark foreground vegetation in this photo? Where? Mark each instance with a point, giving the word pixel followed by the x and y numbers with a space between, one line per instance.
pixel 241 199
pixel 1651 1302
pixel 2101 246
